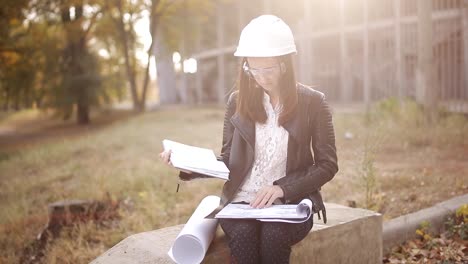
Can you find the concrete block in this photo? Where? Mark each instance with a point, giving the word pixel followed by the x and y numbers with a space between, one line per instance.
pixel 351 235
pixel 147 247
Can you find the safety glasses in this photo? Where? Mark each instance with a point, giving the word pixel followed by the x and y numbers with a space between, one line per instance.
pixel 260 72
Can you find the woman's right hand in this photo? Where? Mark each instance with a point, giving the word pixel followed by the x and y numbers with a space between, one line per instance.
pixel 165 157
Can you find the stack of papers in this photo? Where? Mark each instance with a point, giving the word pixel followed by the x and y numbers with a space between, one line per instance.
pixel 195 159
pixel 289 213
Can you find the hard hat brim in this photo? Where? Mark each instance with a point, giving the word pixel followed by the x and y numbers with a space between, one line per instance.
pixel 265 53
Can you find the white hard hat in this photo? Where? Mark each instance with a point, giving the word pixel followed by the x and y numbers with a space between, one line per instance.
pixel 266 36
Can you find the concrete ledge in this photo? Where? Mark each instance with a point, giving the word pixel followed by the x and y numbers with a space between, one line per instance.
pixel 352 235
pixel 403 228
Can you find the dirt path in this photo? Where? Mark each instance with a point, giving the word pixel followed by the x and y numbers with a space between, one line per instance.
pixel 43 128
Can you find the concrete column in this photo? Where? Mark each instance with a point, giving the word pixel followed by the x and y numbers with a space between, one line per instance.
pixel 165 69
pixel 309 56
pixel 366 80
pixel 398 53
pixel 302 37
pixel 345 91
pixel 183 87
pixel 465 50
pixel 220 59
pixel 199 73
pixel 424 73
pixel 240 16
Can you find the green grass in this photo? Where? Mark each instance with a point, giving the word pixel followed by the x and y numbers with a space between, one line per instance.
pixel 121 160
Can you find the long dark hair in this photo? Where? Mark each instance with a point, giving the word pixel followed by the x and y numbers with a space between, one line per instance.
pixel 250 99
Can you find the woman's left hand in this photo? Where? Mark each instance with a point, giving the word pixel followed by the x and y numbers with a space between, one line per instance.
pixel 266 196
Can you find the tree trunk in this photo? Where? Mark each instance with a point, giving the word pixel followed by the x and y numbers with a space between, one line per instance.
pixel 165 69
pixel 27 96
pixel 7 99
pixel 16 99
pixel 82 113
pixel 128 64
pixel 38 101
pixel 81 88
pixel 74 71
pixel 142 104
pixel 153 30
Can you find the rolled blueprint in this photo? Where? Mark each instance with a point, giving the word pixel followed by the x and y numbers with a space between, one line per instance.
pixel 194 239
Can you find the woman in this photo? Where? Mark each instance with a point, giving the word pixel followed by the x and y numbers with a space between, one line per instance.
pixel 270 125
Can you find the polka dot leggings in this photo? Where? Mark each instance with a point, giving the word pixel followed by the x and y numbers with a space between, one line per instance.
pixel 252 241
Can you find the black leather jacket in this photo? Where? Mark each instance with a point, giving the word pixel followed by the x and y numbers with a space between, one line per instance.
pixel 307 171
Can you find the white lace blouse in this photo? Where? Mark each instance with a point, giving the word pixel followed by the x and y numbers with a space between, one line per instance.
pixel 271 146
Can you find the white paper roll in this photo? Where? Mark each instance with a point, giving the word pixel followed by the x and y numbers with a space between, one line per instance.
pixel 194 239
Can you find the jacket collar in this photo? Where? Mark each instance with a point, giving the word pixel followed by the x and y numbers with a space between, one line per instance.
pixel 293 126
pixel 246 128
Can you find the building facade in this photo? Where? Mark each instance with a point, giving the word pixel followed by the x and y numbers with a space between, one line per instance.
pixel 352 50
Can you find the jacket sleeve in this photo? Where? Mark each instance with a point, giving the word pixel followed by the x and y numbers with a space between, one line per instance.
pixel 228 131
pixel 300 183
